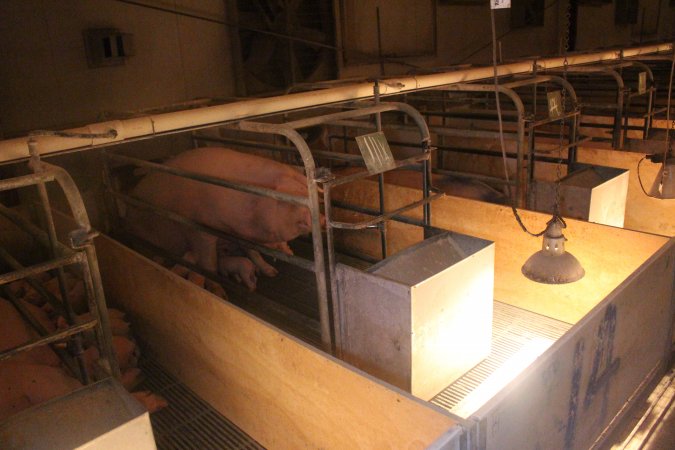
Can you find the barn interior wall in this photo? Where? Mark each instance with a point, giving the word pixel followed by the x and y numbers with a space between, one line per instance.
pixel 45 81
pixel 463 32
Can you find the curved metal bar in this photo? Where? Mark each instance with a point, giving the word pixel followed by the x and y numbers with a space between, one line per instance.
pixel 292 135
pixel 289 130
pixel 83 240
pixel 650 98
pixel 520 111
pixel 617 133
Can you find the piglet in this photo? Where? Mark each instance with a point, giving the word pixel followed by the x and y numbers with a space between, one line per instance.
pixel 15 331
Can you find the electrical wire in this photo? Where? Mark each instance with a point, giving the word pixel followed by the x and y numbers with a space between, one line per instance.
pixel 668 143
pixel 640 178
pixel 509 31
pixel 501 131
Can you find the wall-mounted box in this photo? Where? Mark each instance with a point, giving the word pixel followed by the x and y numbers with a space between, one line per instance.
pixel 107 47
pixel 423 317
pixel 593 193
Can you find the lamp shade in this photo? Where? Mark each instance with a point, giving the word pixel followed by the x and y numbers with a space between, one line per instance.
pixel 552 264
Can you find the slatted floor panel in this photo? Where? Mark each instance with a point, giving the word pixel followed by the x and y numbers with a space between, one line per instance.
pixel 189 422
pixel 512 328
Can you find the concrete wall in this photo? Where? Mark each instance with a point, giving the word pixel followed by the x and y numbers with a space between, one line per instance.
pixel 596 28
pixel 464 32
pixel 45 81
pixel 463 35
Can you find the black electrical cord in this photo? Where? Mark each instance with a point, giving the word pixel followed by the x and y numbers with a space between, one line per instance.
pixel 658 158
pixel 640 178
pixel 501 134
pixel 483 47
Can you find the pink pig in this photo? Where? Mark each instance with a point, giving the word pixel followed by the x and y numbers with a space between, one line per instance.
pixel 259 219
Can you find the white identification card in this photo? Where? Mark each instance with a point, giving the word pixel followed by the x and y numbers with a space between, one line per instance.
pixel 500 4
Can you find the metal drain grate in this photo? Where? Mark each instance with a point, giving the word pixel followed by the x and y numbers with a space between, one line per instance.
pixel 512 328
pixel 189 422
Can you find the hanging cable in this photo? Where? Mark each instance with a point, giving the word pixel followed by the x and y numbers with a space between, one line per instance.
pixel 501 130
pixel 483 47
pixel 667 150
pixel 556 207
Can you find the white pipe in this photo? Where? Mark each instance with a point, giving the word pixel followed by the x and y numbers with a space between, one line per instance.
pixel 14 149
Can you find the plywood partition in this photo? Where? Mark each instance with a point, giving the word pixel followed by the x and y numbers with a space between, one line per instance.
pixel 643 213
pixel 280 391
pixel 609 255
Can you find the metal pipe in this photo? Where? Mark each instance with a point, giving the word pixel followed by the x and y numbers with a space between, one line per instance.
pixel 82 238
pixel 373 212
pixel 49 172
pixel 650 94
pixel 37 326
pixel 39 268
pixel 332 272
pixel 617 134
pixel 282 148
pixel 380 177
pixel 437 130
pixel 361 175
pixel 75 345
pixel 292 135
pixel 519 196
pixel 48 296
pixel 383 217
pixel 129 129
pixel 25 181
pixel 49 339
pixel 250 189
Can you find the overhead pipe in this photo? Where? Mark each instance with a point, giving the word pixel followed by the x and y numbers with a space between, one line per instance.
pixel 147 126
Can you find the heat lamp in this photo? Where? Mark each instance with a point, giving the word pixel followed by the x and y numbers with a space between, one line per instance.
pixel 664 183
pixel 552 264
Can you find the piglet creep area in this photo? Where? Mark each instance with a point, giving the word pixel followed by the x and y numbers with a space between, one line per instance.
pixel 274 387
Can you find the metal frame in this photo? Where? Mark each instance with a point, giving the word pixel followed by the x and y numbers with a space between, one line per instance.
pixel 529 124
pixel 315 176
pixel 526 125
pixel 80 252
pixel 624 95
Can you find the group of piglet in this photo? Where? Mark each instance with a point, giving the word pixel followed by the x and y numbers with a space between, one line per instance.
pixel 37 375
pixel 192 276
pixel 259 219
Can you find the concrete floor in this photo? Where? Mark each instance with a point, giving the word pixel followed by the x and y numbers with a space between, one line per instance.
pixel 651 423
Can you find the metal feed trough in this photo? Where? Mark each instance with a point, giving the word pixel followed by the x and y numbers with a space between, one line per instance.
pixel 422 318
pixel 593 193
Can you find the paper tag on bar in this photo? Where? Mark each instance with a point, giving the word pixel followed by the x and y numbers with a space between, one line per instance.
pixel 376 152
pixel 642 82
pixel 555 106
pixel 500 4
